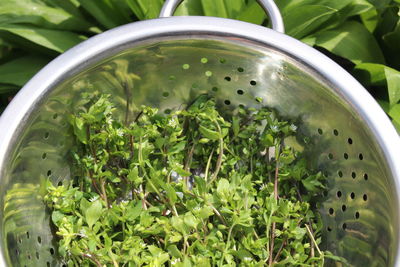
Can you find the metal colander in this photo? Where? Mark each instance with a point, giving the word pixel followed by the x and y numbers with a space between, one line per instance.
pixel 166 63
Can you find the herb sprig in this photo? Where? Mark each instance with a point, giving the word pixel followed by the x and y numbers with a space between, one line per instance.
pixel 192 188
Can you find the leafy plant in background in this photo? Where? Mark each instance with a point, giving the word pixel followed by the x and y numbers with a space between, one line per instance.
pixel 361 35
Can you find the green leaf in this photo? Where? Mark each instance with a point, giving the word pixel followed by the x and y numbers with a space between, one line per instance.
pixel 393 82
pixel 352 41
pixel 133 211
pixel 39 14
pixel 57 216
pixel 210 134
pixel 190 7
pixel 55 40
pixel 145 9
pixel 80 129
pixel 174 251
pixel 106 12
pixel 215 8
pixel 223 187
pixel 370 73
pixel 93 213
pixel 304 19
pixel 7 88
pixel 20 70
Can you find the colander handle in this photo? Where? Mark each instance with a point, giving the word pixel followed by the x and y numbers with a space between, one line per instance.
pixel 268 5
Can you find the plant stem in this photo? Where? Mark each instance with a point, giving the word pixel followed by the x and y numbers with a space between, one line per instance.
pixel 103 190
pixel 92 258
pixel 208 165
pixel 313 239
pixel 276 196
pixel 220 155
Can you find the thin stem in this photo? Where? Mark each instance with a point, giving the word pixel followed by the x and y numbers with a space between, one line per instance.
pixel 208 165
pixel 280 250
pixel 187 164
pixel 103 190
pixel 92 258
pixel 276 196
pixel 218 215
pixel 313 240
pixel 220 155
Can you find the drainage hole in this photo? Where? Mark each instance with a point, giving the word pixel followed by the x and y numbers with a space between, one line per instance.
pixel 253 82
pixel 344 208
pixel 344 226
pixel 350 141
pixel 329 229
pixel 346 156
pixel 320 131
pixel 44 155
pixel 335 132
pixel 357 215
pixel 48 172
pixel 55 116
pixel 27 235
pixel 240 92
pixel 52 251
pixel 360 156
pixel 165 94
pixel 340 173
pixel 48 264
pixel 240 69
pixel 39 239
pixel 215 89
pixel 352 195
pixel 365 197
pixel 365 177
pixel 330 156
pixel 331 211
pixel 37 255
pixel 227 78
pixel 46 135
pixel 227 102
pixel 354 175
pixel 339 194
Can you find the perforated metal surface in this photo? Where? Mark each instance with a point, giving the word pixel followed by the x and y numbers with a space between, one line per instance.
pixel 360 210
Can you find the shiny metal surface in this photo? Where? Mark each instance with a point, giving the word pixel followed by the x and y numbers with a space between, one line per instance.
pixel 269 6
pixel 166 63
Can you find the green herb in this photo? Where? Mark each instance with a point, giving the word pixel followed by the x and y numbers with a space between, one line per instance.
pixel 192 188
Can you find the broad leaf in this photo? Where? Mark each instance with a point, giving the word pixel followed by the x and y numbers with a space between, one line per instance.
pixel 352 41
pixel 20 70
pixel 303 20
pixel 252 13
pixel 370 74
pixel 16 12
pixel 93 213
pixel 109 13
pixel 215 8
pixel 55 40
pixel 393 82
pixel 145 9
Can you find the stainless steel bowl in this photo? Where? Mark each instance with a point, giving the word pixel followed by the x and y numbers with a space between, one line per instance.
pixel 166 63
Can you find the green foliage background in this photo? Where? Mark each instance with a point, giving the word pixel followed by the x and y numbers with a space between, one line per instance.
pixel 361 35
